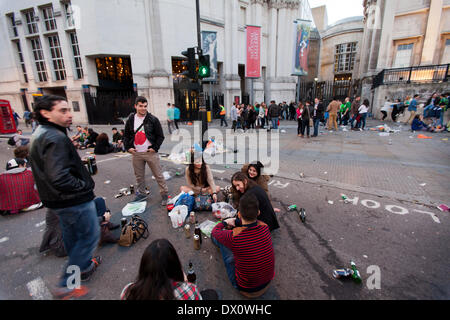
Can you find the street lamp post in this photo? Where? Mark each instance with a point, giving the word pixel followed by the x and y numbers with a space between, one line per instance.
pixel 201 100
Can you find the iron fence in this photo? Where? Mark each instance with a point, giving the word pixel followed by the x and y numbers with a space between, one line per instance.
pixel 419 74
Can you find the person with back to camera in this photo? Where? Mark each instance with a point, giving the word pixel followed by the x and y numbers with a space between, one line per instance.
pixel 247 249
pixel 161 276
pixel 102 145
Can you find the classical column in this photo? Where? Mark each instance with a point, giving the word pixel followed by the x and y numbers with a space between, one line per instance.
pixel 160 89
pixel 432 33
pixel 232 79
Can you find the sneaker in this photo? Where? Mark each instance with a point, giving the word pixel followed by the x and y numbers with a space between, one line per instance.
pixel 164 200
pixel 68 294
pixel 85 276
pixel 140 197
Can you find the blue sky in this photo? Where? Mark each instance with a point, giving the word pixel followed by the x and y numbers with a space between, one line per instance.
pixel 339 9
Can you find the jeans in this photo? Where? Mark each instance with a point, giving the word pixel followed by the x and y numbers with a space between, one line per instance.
pixel 275 123
pixel 228 260
pixel 363 120
pixel 222 120
pixel 81 233
pixel 305 125
pixel 352 120
pixel 316 127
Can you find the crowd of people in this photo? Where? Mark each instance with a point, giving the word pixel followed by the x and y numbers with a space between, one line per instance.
pixel 54 175
pixel 339 112
pixel 306 113
pixel 61 182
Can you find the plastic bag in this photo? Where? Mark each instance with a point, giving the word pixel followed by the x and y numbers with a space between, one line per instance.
pixel 187 200
pixel 223 210
pixel 178 216
pixel 207 227
pixel 134 208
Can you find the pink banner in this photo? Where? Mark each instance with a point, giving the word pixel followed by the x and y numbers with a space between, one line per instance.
pixel 253 67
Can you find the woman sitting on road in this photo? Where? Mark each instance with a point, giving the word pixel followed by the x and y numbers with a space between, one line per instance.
pixel 199 178
pixel 253 172
pixel 241 185
pixel 161 276
pixel 102 145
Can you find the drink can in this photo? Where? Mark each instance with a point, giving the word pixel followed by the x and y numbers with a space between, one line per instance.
pixel 196 242
pixel 123 222
pixel 187 231
pixel 131 189
pixel 192 217
pixel 342 273
pixel 93 164
pixel 170 207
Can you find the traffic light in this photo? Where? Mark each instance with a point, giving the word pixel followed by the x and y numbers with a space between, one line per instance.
pixel 204 70
pixel 190 63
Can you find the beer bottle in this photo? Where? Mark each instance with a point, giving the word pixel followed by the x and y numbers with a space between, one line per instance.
pixel 302 214
pixel 197 231
pixel 191 276
pixel 355 275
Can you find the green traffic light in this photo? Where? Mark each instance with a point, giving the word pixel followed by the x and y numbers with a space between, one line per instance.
pixel 203 70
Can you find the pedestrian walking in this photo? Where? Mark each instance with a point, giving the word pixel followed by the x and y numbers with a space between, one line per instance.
pixel 234 116
pixel 66 187
pixel 318 114
pixel 412 108
pixel 333 109
pixel 223 114
pixel 306 116
pixel 363 109
pixel 354 111
pixel 299 112
pixel 274 112
pixel 345 111
pixel 143 138
pixel 262 115
pixel 170 118
pixel 176 115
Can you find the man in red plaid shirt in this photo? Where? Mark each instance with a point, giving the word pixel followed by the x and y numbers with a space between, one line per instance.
pixel 17 189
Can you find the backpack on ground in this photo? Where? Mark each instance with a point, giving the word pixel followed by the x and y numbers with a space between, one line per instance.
pixel 11 141
pixel 135 229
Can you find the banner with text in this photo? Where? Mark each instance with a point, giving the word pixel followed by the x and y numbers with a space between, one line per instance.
pixel 253 67
pixel 209 46
pixel 302 33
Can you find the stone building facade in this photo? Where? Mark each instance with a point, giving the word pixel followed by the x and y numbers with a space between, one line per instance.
pixel 83 48
pixel 402 34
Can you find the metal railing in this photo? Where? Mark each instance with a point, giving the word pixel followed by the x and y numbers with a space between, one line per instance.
pixel 420 74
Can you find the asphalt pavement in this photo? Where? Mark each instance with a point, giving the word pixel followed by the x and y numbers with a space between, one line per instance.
pixel 389 225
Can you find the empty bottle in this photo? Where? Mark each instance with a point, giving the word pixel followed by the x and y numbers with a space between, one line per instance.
pixel 191 276
pixel 302 215
pixel 197 231
pixel 355 274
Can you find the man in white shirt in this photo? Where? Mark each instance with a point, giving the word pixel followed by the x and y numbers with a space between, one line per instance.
pixel 143 138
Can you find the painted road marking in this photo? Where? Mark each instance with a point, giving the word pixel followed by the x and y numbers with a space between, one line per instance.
pixel 117 157
pixel 4 239
pixel 278 184
pixel 372 204
pixel 37 225
pixel 218 171
pixel 38 290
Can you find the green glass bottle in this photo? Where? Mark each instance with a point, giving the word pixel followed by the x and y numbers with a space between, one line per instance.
pixel 355 275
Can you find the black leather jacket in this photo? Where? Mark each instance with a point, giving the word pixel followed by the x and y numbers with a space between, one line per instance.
pixel 61 178
pixel 152 128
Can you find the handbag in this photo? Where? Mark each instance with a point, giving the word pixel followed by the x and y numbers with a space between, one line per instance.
pixel 203 202
pixel 134 230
